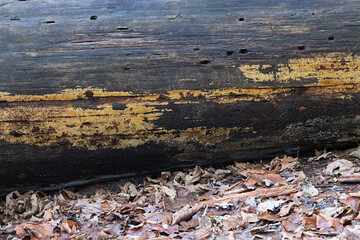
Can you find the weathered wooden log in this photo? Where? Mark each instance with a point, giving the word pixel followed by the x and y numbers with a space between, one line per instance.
pixel 92 88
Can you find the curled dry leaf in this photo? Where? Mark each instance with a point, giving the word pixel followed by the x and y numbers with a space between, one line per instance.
pixel 268 216
pixel 327 223
pixel 310 222
pixel 69 226
pixel 289 164
pixel 241 165
pixel 351 232
pixel 354 203
pixel 88 208
pixel 35 230
pixel 171 193
pixel 320 156
pixel 193 176
pixel 65 197
pixel 198 188
pixel 259 179
pixel 355 153
pixel 185 213
pixel 285 210
pixel 270 204
pixel 334 211
pixel 11 202
pixel 34 206
pixel 284 164
pixel 48 214
pixel 131 189
pixel 26 205
pixel 340 166
pixel 249 217
pixel 300 177
pixel 232 222
pixel 293 222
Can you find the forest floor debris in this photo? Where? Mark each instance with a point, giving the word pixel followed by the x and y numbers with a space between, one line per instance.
pixel 287 198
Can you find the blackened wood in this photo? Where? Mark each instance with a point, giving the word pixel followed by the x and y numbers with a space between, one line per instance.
pixel 91 88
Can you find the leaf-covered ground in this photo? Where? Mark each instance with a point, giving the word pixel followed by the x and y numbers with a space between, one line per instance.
pixel 287 198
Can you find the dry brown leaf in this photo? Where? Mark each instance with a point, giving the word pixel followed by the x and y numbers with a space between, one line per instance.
pixel 103 236
pixel 48 214
pixel 320 156
pixel 185 213
pixel 88 208
pixel 289 164
pixel 171 193
pixel 293 222
pixel 197 234
pixel 11 202
pixel 232 223
pixel 310 222
pixel 35 230
pixel 355 153
pixel 198 188
pixel 285 210
pixel 69 226
pixel 275 164
pixel 148 180
pixel 351 232
pixel 341 166
pixel 257 168
pixel 193 176
pixel 353 202
pixel 300 177
pixel 269 217
pixel 131 189
pixel 334 211
pixel 284 164
pixel 269 204
pixel 241 165
pixel 327 223
pixel 260 179
pixel 158 218
pixel 249 217
pixel 163 238
pixel 34 206
pixel 65 197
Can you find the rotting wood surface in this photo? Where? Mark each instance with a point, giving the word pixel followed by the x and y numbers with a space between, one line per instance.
pixel 91 88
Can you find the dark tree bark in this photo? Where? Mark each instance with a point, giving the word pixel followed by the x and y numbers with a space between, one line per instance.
pixel 91 88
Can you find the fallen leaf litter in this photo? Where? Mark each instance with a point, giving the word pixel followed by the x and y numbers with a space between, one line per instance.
pixel 287 199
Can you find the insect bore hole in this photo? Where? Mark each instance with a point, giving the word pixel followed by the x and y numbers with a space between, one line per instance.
pixel 301 48
pixel 205 61
pixel 243 51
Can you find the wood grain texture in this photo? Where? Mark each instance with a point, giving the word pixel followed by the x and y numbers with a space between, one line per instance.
pixel 90 88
